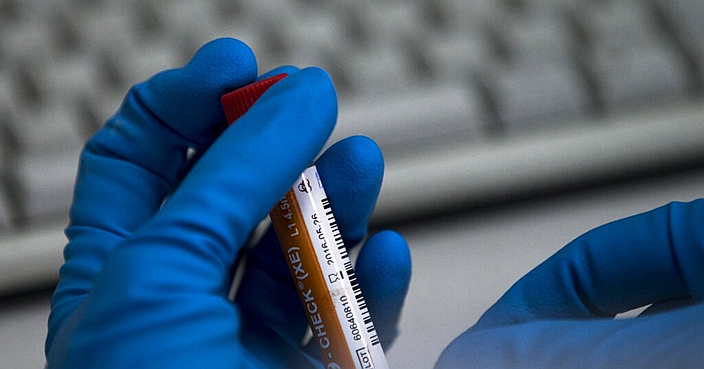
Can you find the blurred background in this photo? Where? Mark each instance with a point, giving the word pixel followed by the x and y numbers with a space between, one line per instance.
pixel 509 127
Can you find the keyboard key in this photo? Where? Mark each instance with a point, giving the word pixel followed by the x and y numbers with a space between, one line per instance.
pixel 64 32
pixel 389 23
pixel 5 88
pixel 136 63
pixel 375 70
pixel 267 11
pixel 45 185
pixel 535 39
pixel 190 22
pixel 528 97
pixel 456 55
pixel 49 129
pixel 106 27
pixel 618 22
pixel 637 75
pixel 413 115
pixel 13 12
pixel 7 141
pixel 70 76
pixel 631 61
pixel 311 37
pixel 469 16
pixel 30 259
pixel 26 41
pixel 6 209
pixel 563 6
pixel 684 19
pixel 6 212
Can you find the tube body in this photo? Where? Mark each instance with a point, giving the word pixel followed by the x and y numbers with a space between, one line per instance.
pixel 324 277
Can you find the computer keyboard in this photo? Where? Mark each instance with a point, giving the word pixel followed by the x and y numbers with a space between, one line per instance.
pixel 472 102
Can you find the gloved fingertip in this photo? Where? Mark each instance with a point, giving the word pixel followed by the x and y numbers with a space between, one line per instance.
pixel 384 274
pixel 352 171
pixel 301 109
pixel 308 84
pixel 384 265
pixel 187 99
pixel 226 53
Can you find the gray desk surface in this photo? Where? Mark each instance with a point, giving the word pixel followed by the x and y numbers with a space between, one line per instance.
pixel 461 265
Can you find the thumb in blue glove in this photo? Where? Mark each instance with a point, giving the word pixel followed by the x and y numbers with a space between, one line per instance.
pixel 154 236
pixel 560 315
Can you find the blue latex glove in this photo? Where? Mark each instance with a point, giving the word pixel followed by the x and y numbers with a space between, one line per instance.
pixel 145 285
pixel 559 314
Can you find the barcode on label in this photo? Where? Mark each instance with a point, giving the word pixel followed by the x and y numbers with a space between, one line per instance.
pixel 349 271
pixel 335 229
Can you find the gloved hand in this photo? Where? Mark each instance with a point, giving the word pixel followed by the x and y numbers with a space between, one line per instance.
pixel 155 232
pixel 560 314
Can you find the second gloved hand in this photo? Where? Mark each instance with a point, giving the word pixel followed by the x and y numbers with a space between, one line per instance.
pixel 560 315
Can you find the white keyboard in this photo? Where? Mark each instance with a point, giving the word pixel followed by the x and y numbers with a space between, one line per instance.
pixel 473 102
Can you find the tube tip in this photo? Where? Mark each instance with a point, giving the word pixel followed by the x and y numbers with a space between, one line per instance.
pixel 237 102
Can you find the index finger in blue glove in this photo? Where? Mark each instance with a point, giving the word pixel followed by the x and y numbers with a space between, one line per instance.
pixel 135 161
pixel 647 258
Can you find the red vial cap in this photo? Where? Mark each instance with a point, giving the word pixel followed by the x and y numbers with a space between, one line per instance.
pixel 237 102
